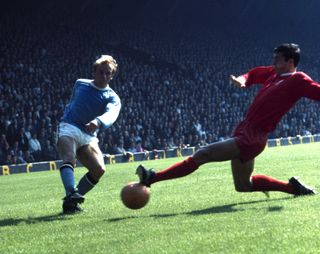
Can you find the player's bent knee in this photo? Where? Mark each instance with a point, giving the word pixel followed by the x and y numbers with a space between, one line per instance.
pixel 69 157
pixel 202 156
pixel 99 171
pixel 102 170
pixel 242 188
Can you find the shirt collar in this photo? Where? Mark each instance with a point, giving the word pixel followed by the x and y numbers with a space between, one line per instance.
pixel 287 74
pixel 99 88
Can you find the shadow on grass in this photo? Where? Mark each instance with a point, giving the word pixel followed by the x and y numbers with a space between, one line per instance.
pixel 230 208
pixel 122 218
pixel 32 220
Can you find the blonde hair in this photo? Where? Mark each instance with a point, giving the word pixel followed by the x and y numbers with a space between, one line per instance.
pixel 106 59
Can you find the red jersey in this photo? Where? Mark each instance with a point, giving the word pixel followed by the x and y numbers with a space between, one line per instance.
pixel 277 96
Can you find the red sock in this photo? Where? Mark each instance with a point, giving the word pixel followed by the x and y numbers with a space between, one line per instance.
pixel 179 169
pixel 267 183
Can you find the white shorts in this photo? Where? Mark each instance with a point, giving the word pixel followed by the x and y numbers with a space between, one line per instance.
pixel 81 138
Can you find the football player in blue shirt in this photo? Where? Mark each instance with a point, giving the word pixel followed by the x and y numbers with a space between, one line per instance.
pixel 93 106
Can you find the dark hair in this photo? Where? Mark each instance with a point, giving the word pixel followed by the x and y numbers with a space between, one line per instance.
pixel 289 51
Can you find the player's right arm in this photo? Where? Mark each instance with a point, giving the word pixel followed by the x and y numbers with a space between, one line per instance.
pixel 112 112
pixel 257 75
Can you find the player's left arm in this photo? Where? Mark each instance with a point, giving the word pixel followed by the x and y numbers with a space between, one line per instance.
pixel 257 75
pixel 109 117
pixel 238 81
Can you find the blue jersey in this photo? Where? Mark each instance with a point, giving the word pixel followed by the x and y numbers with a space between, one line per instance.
pixel 89 102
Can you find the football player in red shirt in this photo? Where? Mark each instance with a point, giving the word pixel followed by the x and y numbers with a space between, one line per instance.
pixel 282 87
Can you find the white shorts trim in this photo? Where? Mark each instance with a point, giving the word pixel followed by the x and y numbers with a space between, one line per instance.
pixel 81 138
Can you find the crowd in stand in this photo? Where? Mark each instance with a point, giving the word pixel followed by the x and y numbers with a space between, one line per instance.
pixel 174 87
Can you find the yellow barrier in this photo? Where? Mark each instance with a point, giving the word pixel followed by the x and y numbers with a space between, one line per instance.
pixel 29 166
pixel 111 159
pixel 5 170
pixel 131 157
pixel 179 154
pixel 53 165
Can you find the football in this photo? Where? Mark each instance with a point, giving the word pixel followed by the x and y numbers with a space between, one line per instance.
pixel 135 195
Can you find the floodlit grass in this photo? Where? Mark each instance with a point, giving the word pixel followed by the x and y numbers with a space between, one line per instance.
pixel 200 213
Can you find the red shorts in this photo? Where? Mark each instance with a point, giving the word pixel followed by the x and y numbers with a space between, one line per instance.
pixel 250 140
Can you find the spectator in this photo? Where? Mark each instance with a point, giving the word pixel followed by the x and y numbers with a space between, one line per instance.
pixel 12 132
pixel 28 157
pixel 120 150
pixel 35 147
pixel 22 140
pixel 140 149
pixel 132 148
pixel 49 152
pixel 20 159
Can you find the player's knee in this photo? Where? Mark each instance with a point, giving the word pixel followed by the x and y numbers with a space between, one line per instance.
pixel 69 156
pixel 241 187
pixel 202 156
pixel 204 152
pixel 99 171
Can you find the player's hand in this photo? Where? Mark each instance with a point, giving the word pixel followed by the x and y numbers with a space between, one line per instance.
pixel 238 81
pixel 92 126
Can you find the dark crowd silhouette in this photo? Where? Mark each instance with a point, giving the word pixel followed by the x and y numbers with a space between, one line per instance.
pixel 172 79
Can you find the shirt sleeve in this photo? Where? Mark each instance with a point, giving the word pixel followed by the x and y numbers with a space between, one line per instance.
pixel 311 88
pixel 112 112
pixel 258 75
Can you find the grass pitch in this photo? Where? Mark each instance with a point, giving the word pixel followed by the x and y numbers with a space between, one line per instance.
pixel 200 213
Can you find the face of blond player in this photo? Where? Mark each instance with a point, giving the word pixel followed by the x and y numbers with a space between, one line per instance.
pixel 281 65
pixel 102 75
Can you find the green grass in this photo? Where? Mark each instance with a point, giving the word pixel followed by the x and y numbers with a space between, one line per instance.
pixel 200 213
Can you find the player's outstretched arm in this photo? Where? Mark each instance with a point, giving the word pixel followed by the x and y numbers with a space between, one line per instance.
pixel 238 81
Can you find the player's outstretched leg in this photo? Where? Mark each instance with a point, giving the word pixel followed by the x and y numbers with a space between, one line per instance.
pixel 219 151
